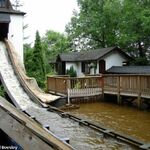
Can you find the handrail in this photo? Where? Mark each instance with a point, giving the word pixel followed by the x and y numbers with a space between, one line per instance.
pixel 60 85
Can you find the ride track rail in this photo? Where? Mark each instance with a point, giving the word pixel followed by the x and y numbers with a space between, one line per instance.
pixel 106 132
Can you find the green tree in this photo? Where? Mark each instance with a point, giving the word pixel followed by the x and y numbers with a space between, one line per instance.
pixel 17 4
pixel 72 72
pixel 2 91
pixel 54 43
pixel 38 55
pixel 35 60
pixel 104 23
pixel 28 55
pixel 96 25
pixel 135 31
pixel 45 50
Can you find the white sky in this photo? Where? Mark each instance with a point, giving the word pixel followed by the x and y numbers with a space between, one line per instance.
pixel 47 14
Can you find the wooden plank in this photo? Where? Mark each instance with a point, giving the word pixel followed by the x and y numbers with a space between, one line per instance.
pixel 20 127
pixel 85 92
pixel 125 85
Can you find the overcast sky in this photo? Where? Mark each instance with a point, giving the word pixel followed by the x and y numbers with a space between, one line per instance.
pixel 47 14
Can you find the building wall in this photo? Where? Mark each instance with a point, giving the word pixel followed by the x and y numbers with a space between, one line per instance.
pixel 77 67
pixel 114 59
pixel 15 33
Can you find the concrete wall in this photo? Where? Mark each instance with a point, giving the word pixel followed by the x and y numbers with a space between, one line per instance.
pixel 15 33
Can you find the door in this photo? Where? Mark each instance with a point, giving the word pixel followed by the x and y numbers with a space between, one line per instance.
pixel 102 66
pixel 63 68
pixel 3 30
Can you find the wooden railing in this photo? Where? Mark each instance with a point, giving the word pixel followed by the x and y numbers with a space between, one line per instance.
pixel 57 84
pixel 127 85
pixel 61 84
pixel 132 85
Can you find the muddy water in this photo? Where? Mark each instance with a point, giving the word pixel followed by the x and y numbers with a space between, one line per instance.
pixel 124 119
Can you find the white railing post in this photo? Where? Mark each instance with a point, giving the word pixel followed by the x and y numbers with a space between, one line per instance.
pixel 68 90
pixel 68 93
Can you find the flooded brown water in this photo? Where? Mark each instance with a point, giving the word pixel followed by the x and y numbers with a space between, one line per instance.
pixel 123 119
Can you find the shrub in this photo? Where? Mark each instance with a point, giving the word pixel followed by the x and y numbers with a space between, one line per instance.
pixel 71 72
pixel 2 91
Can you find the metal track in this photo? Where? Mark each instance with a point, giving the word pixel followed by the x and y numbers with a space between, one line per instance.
pixel 106 132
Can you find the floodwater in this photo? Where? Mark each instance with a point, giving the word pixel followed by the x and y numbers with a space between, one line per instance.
pixel 123 119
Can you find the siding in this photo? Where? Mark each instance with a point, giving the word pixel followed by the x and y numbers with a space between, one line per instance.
pixel 15 33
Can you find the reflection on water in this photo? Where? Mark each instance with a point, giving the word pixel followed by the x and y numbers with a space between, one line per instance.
pixel 124 119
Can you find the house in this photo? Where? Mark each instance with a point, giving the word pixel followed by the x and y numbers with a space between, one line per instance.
pixel 92 61
pixel 129 70
pixel 11 25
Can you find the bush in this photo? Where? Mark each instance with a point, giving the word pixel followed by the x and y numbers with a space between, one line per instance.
pixel 140 61
pixel 2 91
pixel 71 72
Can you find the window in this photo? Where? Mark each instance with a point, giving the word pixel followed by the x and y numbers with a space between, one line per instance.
pixel 2 3
pixel 85 67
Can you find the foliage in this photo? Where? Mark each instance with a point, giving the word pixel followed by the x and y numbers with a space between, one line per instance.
pixel 17 4
pixel 104 23
pixel 35 61
pixel 135 31
pixel 39 55
pixel 140 61
pixel 72 72
pixel 93 26
pixel 77 85
pixel 55 43
pixel 45 50
pixel 2 91
pixel 28 54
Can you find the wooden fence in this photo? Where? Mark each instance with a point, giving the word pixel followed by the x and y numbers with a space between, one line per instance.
pixel 57 84
pixel 120 85
pixel 129 85
pixel 79 87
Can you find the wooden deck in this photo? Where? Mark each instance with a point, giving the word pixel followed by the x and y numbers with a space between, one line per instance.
pixel 121 85
pixel 127 85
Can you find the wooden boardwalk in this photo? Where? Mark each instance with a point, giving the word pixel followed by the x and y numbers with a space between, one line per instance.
pixel 131 85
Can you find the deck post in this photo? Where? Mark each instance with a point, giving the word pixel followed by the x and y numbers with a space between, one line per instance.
pixel 118 90
pixel 55 86
pixel 139 93
pixel 102 86
pixel 68 93
pixel 68 90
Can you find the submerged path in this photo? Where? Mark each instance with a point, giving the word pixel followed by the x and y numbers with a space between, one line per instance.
pixel 80 137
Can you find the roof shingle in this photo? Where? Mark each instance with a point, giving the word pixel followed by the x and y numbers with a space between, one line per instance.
pixel 8 9
pixel 129 70
pixel 87 55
